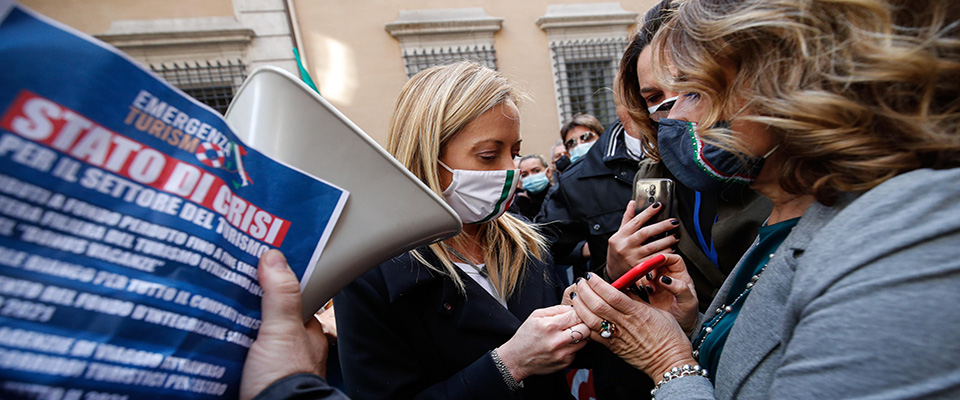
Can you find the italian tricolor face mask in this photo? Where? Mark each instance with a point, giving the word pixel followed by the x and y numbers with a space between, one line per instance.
pixel 699 165
pixel 480 196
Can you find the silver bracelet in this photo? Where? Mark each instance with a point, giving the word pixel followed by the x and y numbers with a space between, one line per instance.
pixel 678 372
pixel 512 384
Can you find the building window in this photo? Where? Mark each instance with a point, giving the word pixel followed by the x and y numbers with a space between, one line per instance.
pixel 444 36
pixel 417 59
pixel 210 83
pixel 586 43
pixel 585 70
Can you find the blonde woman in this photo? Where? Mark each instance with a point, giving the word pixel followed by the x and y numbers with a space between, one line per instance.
pixel 845 113
pixel 463 319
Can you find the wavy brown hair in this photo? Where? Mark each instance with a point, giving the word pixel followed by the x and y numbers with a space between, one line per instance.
pixel 858 91
pixel 626 87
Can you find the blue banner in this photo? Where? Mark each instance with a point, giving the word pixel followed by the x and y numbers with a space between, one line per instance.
pixel 131 221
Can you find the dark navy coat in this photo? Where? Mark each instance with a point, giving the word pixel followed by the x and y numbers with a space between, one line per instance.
pixel 407 332
pixel 587 203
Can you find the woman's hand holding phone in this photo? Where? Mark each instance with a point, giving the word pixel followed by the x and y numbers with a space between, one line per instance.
pixel 670 288
pixel 634 274
pixel 628 246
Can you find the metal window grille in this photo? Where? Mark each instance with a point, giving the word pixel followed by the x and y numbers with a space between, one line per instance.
pixel 211 83
pixel 585 70
pixel 417 60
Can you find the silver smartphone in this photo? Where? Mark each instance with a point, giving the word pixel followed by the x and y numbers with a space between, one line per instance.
pixel 647 191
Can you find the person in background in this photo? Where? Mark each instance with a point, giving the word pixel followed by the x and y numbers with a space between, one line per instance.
pixel 586 206
pixel 849 122
pixel 579 135
pixel 467 317
pixel 560 160
pixel 582 213
pixel 536 177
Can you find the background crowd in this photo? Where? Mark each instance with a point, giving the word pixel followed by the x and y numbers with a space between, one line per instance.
pixel 814 146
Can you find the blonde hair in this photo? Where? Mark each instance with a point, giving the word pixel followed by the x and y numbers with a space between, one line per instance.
pixel 858 91
pixel 433 107
pixel 538 157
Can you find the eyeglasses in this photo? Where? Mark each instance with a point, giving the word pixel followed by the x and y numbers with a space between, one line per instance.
pixel 583 138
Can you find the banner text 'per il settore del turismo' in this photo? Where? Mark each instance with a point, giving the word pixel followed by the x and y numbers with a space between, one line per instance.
pixel 131 222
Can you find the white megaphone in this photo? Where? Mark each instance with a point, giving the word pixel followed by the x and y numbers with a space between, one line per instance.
pixel 389 211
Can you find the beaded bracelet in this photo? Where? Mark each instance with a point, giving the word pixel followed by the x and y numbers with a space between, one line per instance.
pixel 512 383
pixel 678 372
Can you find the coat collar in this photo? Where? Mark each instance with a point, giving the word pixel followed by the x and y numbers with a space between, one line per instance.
pixel 812 220
pixel 757 331
pixel 604 156
pixel 473 308
pixel 481 312
pixel 403 274
pixel 476 310
pixel 615 148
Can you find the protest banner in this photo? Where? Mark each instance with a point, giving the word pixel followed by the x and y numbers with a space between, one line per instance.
pixel 131 221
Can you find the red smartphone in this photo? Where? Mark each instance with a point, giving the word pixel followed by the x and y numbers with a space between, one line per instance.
pixel 634 274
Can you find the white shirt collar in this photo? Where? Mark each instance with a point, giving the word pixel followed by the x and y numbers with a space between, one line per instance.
pixel 634 149
pixel 481 280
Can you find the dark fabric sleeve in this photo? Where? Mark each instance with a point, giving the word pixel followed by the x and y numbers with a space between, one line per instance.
pixel 300 387
pixel 576 255
pixel 565 235
pixel 379 362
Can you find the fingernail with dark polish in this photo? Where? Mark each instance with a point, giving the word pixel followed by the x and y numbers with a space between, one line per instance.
pixel 655 205
pixel 587 276
pixel 577 280
pixel 649 276
pixel 573 295
pixel 649 289
pixel 666 280
pixel 675 222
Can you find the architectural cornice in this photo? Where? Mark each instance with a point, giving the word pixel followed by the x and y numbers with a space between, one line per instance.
pixel 129 34
pixel 585 16
pixel 443 21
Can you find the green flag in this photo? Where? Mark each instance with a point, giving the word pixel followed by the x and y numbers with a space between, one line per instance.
pixel 304 75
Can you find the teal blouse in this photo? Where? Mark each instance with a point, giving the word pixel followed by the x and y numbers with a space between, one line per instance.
pixel 769 238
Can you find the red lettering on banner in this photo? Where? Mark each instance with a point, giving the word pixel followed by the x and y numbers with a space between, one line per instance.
pixel 44 121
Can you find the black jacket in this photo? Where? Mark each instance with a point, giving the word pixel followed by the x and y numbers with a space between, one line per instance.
pixel 528 204
pixel 300 387
pixel 588 201
pixel 407 332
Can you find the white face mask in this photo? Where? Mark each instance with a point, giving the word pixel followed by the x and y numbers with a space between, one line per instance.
pixel 480 196
pixel 654 108
pixel 581 150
